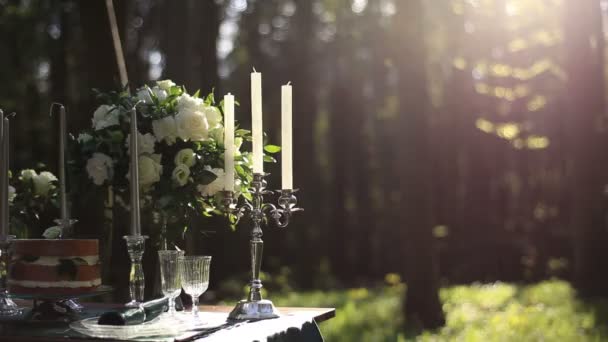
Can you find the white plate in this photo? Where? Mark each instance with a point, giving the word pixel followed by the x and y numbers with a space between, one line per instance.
pixel 160 326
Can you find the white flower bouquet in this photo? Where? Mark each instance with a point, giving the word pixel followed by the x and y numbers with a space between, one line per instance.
pixel 180 149
pixel 32 201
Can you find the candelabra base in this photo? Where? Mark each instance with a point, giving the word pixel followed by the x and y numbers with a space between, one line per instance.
pixel 246 310
pixel 8 308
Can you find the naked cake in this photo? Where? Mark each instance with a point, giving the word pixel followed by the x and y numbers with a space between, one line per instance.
pixel 58 267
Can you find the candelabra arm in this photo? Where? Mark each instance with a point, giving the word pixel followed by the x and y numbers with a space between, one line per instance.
pixel 135 246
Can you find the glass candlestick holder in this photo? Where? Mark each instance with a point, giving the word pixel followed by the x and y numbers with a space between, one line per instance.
pixel 8 308
pixel 135 246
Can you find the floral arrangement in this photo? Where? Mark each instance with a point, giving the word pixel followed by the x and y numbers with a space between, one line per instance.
pixel 181 165
pixel 31 196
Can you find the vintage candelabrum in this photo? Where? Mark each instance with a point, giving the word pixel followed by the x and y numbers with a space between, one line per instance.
pixel 254 307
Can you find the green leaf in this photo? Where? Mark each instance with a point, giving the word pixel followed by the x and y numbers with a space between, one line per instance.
pixel 272 148
pixel 241 132
pixel 197 94
pixel 210 99
pixel 269 159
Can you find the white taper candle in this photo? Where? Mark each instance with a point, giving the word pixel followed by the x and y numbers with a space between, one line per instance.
pixel 286 137
pixel 4 215
pixel 62 181
pixel 135 218
pixel 229 141
pixel 256 122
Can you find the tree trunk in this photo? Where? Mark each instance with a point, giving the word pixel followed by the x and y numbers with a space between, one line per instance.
pixel 421 305
pixel 585 90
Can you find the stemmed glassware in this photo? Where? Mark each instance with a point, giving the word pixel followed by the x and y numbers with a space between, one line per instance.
pixel 194 273
pixel 171 284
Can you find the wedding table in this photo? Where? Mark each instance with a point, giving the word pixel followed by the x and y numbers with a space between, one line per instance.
pixel 295 324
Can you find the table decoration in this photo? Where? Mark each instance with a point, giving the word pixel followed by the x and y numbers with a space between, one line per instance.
pixel 7 306
pixel 170 279
pixel 53 272
pixel 135 241
pixel 135 315
pixel 181 150
pixel 194 274
pixel 57 307
pixel 64 222
pixel 254 307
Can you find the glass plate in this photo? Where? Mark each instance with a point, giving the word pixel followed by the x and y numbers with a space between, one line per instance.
pixel 163 325
pixel 103 289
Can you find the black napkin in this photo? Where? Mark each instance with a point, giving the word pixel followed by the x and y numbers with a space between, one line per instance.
pixel 135 315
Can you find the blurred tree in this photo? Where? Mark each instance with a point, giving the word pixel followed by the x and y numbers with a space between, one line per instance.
pixel 421 304
pixel 585 122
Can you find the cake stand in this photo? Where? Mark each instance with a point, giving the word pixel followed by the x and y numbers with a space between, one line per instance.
pixel 57 307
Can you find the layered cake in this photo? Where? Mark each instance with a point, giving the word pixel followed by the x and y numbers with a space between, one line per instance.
pixel 61 267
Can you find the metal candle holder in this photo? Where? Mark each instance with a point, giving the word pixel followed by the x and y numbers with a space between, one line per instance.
pixel 254 307
pixel 7 306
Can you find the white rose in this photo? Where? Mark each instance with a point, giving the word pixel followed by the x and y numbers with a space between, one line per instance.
pixel 166 129
pixel 83 138
pixel 28 174
pixel 12 193
pixel 186 157
pixel 100 168
pixel 215 186
pixel 105 116
pixel 145 143
pixel 214 117
pixel 160 94
pixel 43 183
pixel 181 174
pixel 143 95
pixel 165 85
pixel 192 125
pixel 150 169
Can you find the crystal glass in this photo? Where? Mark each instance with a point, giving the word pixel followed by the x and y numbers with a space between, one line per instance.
pixel 171 284
pixel 194 272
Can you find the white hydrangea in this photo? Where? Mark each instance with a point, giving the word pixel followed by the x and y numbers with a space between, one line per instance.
pixel 12 193
pixel 100 168
pixel 165 129
pixel 165 85
pixel 215 186
pixel 145 143
pixel 105 116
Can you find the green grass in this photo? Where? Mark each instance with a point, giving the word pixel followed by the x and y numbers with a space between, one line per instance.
pixel 547 311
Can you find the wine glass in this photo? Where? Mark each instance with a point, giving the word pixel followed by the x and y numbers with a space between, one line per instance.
pixel 169 276
pixel 194 272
